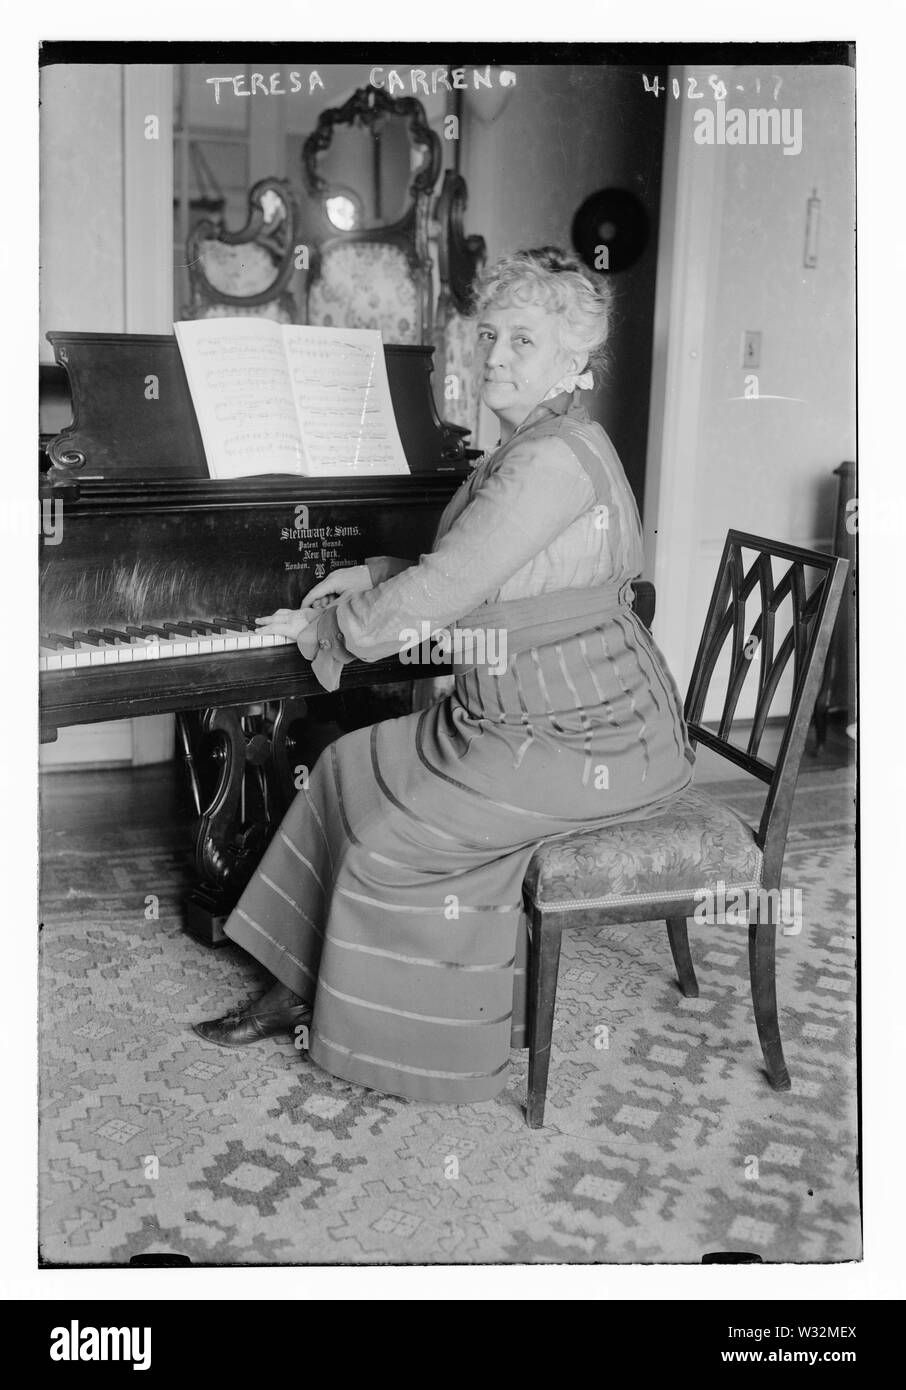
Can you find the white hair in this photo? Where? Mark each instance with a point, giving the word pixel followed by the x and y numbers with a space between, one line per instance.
pixel 560 284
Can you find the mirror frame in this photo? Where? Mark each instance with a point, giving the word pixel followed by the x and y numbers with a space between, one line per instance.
pixel 410 231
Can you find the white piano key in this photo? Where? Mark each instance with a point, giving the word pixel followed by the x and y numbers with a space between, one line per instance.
pixel 154 648
pixel 176 646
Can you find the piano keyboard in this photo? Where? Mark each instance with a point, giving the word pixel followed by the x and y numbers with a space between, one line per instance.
pixel 109 646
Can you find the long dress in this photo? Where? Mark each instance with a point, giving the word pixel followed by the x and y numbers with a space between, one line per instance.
pixel 390 898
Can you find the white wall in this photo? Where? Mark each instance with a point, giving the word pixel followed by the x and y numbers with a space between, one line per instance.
pixel 81 211
pixel 106 266
pixel 764 465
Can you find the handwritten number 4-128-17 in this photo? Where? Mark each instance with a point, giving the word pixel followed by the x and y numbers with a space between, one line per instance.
pixel 718 87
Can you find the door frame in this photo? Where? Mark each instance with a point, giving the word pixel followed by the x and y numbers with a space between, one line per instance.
pixel 692 196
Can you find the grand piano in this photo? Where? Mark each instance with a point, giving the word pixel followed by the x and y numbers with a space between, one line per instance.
pixel 151 575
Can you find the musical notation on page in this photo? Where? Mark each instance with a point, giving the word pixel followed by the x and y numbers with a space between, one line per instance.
pixel 290 398
pixel 339 380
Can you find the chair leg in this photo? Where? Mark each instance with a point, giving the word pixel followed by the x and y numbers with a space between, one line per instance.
pixel 544 966
pixel 764 997
pixel 682 957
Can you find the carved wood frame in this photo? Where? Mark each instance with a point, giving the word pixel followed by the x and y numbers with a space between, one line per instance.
pixel 460 257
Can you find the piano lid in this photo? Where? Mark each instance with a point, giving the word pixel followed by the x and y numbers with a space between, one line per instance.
pixel 133 416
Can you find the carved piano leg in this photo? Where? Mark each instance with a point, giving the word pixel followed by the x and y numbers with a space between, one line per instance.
pixel 245 754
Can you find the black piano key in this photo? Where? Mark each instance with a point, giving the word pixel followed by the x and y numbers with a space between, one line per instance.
pixel 233 625
pixel 61 642
pixel 115 636
pixel 182 630
pixel 204 627
pixel 146 630
pixel 99 635
pixel 90 639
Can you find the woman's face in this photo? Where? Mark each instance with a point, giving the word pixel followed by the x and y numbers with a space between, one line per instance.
pixel 522 359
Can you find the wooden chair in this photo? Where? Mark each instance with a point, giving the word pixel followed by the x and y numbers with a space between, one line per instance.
pixel 665 865
pixel 246 272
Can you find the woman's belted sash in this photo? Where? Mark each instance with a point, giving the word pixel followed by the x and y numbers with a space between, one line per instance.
pixel 546 618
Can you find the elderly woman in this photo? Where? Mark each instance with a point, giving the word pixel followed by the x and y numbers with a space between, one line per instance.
pixel 388 906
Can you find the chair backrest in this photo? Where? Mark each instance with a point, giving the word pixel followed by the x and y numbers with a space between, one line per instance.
pixel 246 272
pixel 366 284
pixel 748 628
pixel 371 265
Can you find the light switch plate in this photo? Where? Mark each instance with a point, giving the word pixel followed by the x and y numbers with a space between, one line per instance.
pixel 751 348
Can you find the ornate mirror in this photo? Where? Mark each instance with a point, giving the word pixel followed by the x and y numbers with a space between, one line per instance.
pixel 369 159
pixel 370 166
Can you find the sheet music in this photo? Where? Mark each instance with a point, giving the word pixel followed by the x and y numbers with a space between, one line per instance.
pixel 339 381
pixel 239 380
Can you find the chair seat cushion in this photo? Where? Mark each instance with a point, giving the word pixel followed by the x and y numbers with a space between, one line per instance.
pixel 696 842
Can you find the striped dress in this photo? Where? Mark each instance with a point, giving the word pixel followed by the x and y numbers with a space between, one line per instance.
pixel 391 896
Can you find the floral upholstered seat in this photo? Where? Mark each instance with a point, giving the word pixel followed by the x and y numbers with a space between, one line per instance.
pixel 237 270
pixel 364 284
pixel 695 843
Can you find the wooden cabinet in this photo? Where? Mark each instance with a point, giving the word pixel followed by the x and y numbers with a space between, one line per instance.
pixel 838 690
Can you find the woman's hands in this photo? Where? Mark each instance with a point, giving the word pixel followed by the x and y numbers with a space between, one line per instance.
pixel 301 623
pixel 286 622
pixel 354 579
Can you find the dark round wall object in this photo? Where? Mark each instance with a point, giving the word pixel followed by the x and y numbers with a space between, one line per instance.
pixel 616 220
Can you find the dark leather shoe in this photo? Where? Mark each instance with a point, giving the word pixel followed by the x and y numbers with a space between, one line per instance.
pixel 249 1025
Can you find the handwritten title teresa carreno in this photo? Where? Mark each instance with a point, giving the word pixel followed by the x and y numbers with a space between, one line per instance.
pixel 428 81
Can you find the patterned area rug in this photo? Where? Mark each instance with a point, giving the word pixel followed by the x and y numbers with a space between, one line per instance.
pixel 662 1143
